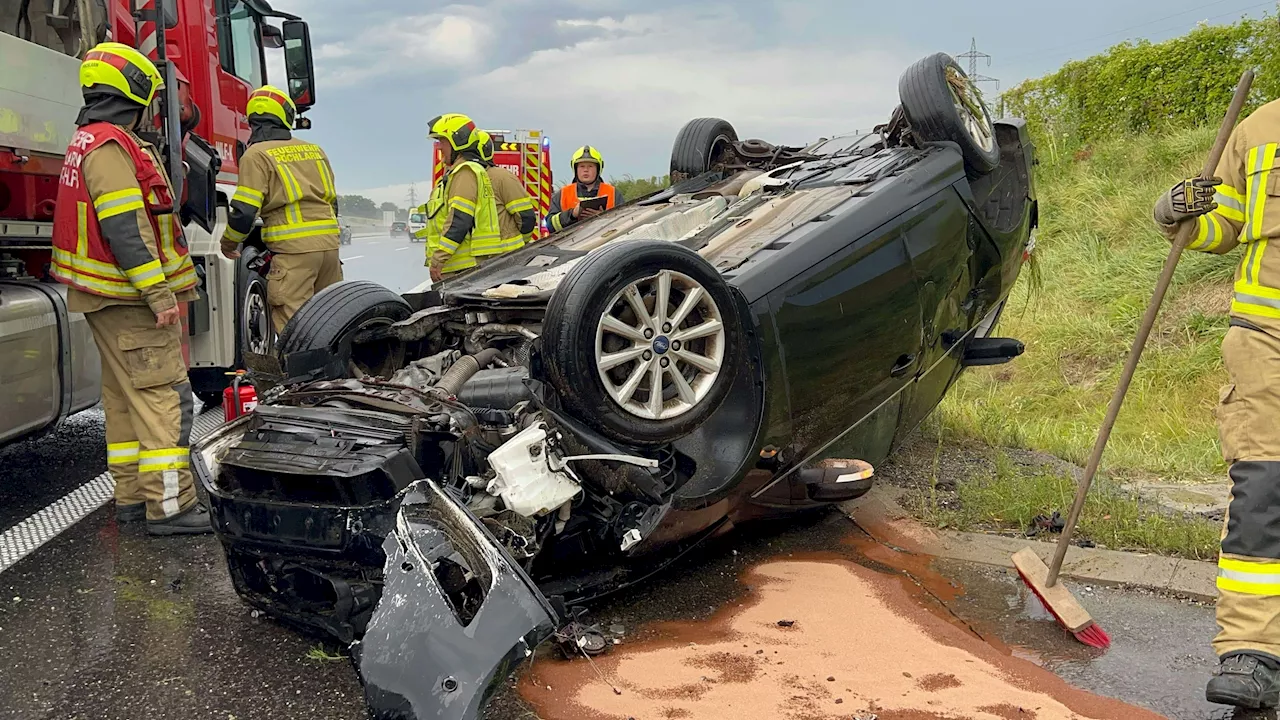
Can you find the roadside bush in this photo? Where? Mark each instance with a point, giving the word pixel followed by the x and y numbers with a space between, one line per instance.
pixel 1148 87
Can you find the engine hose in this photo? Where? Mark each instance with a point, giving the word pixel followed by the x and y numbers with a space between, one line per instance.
pixel 463 368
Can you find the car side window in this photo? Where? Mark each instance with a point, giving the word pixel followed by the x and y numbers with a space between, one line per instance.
pixel 239 41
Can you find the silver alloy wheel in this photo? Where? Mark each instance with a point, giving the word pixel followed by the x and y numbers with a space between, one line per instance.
pixel 660 345
pixel 977 124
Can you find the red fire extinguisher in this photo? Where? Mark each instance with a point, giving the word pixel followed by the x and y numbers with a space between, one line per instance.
pixel 238 399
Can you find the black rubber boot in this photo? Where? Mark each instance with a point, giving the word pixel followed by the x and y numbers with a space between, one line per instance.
pixel 137 512
pixel 1246 680
pixel 194 521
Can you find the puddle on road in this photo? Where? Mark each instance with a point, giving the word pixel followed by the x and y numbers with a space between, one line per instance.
pixel 863 642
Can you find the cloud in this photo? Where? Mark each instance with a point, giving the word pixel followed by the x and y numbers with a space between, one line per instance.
pixel 629 91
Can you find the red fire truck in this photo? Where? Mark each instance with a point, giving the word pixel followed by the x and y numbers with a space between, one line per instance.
pixel 48 362
pixel 527 154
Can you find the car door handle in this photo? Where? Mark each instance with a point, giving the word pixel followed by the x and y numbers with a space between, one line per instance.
pixel 904 364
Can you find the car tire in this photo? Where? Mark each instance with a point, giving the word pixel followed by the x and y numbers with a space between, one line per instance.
pixel 936 113
pixel 697 145
pixel 592 360
pixel 332 317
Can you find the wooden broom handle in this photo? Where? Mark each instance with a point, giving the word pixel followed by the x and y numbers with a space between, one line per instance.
pixel 1144 330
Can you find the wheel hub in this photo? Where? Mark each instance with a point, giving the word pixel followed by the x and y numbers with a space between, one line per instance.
pixel 660 346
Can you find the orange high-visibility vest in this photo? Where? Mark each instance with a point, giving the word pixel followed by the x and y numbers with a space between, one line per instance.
pixel 82 258
pixel 569 196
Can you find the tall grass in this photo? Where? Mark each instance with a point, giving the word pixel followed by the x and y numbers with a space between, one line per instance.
pixel 1099 254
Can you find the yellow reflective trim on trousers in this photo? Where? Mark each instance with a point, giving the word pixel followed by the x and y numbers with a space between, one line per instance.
pixel 122 453
pixel 145 275
pixel 1250 578
pixel 248 196
pixel 163 459
pixel 82 229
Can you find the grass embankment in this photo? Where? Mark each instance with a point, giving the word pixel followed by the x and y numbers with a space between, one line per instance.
pixel 1099 255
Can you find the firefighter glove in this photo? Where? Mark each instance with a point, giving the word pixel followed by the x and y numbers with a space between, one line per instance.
pixel 1190 198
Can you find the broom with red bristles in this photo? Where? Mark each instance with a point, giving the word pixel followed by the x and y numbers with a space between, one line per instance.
pixel 1043 580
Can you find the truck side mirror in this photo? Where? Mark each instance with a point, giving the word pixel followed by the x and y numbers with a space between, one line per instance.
pixel 298 64
pixel 169 9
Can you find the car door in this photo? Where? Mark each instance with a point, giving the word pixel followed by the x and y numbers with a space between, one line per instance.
pixel 938 239
pixel 849 330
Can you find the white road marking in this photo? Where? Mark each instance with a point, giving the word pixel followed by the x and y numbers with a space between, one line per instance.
pixel 24 538
pixel 406 247
pixel 353 257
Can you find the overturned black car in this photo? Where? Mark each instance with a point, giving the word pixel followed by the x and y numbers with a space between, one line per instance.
pixel 441 478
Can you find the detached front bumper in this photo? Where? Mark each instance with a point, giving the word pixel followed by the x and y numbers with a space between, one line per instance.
pixel 457 615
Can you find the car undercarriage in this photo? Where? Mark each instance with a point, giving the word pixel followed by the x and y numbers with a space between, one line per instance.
pixel 449 475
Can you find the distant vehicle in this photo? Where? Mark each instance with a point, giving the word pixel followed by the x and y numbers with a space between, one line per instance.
pixel 444 475
pixel 417 221
pixel 344 231
pixel 399 227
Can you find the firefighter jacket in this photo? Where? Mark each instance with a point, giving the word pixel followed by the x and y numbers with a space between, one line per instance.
pixel 559 216
pixel 116 232
pixel 291 183
pixel 462 219
pixel 1248 215
pixel 520 218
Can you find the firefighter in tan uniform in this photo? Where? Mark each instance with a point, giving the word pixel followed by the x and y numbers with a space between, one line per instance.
pixel 291 183
pixel 118 245
pixel 509 194
pixel 463 227
pixel 1240 208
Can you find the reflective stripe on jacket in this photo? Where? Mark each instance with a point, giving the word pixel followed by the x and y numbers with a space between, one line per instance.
pixel 1248 214
pixel 485 237
pixel 560 216
pixel 121 268
pixel 291 183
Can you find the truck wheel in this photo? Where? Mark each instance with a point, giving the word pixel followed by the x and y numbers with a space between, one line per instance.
pixel 942 103
pixel 254 329
pixel 643 341
pixel 335 314
pixel 698 144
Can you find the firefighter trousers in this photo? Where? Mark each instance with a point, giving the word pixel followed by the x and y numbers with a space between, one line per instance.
pixel 295 277
pixel 147 399
pixel 1248 609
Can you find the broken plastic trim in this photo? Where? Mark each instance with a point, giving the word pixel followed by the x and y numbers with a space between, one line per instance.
pixel 457 615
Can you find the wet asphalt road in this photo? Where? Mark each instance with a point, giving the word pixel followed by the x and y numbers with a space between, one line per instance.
pixel 104 622
pixel 391 261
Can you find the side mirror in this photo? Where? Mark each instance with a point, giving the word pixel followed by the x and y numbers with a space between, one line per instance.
pixel 298 64
pixel 272 37
pixel 169 9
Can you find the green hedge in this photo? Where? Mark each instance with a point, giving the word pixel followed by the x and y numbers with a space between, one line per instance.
pixel 1144 87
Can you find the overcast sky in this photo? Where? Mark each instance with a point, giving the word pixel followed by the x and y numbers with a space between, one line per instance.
pixel 624 75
